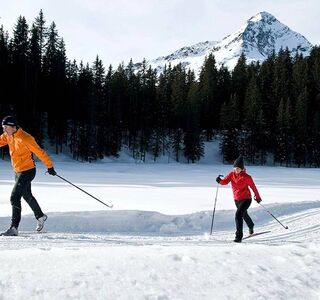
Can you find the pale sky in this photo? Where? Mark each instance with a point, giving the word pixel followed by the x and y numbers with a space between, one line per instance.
pixel 118 30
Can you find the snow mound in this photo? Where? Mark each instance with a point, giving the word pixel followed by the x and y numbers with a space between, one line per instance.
pixel 146 222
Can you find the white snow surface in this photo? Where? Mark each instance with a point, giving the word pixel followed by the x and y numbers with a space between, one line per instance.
pixel 155 242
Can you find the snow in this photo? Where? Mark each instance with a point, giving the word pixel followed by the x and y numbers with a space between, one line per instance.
pixel 155 242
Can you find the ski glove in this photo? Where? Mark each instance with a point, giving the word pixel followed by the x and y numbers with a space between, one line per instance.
pixel 218 179
pixel 52 172
pixel 258 200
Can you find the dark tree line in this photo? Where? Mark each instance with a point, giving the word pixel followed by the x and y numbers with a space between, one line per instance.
pixel 92 111
pixel 275 112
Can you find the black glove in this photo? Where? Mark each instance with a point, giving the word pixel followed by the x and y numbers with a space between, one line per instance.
pixel 218 179
pixel 52 172
pixel 258 200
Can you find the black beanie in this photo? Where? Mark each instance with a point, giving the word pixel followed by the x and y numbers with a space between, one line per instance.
pixel 239 163
pixel 9 120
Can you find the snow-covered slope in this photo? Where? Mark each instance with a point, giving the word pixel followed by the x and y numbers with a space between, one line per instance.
pixel 257 38
pixel 154 244
pixel 282 264
pixel 190 56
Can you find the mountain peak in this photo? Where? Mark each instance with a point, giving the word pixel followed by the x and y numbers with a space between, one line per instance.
pixel 259 37
pixel 263 16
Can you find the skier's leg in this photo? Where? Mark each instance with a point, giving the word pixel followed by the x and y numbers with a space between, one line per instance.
pixel 15 200
pixel 242 207
pixel 239 221
pixel 247 218
pixel 30 199
pixel 33 203
pixel 23 180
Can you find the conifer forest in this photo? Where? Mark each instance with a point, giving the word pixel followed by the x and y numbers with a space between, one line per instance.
pixel 91 111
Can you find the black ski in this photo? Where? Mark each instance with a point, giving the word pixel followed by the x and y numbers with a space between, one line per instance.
pixel 255 234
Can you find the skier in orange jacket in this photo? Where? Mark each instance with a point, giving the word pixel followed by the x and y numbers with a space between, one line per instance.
pixel 22 146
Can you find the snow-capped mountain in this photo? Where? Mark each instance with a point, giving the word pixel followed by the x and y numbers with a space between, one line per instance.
pixel 257 38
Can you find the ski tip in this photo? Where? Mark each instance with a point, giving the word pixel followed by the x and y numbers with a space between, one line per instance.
pixel 255 234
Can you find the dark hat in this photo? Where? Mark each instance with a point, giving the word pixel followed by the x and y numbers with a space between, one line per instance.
pixel 9 120
pixel 239 163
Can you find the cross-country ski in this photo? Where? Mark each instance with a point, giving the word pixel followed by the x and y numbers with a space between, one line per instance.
pixel 255 234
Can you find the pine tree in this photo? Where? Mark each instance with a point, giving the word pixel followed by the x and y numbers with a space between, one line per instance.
pixel 147 108
pixel 37 40
pixel 39 30
pixel 155 143
pixel 19 81
pixel 282 84
pixel 283 149
pixel 240 82
pixel 85 91
pixel 193 145
pixel 97 111
pixel 230 123
pixel 131 110
pixel 300 75
pixel 254 124
pixel 72 76
pixel 269 102
pixel 178 96
pixel 208 92
pixel 300 129
pixel 178 104
pixel 54 72
pixel 164 108
pixel 223 90
pixel 176 140
pixel 118 99
pixel 5 93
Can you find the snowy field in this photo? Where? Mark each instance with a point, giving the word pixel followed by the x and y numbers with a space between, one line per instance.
pixel 154 243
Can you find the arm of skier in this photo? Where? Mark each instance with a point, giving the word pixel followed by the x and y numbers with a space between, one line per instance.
pixel 225 180
pixel 41 154
pixel 254 189
pixel 3 140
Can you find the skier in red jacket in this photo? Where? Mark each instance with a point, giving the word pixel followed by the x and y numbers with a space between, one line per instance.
pixel 240 182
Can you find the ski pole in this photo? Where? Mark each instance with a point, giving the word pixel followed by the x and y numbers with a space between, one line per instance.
pixel 110 206
pixel 285 227
pixel 214 208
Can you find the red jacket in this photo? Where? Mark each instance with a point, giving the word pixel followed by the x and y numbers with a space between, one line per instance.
pixel 240 183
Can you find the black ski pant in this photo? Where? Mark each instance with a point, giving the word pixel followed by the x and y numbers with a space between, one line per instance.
pixel 22 188
pixel 242 214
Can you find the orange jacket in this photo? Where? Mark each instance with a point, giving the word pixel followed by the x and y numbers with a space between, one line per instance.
pixel 21 146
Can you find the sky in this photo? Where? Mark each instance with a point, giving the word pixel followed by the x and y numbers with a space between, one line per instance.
pixel 119 30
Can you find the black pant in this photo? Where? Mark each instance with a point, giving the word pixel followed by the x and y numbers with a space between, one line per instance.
pixel 22 188
pixel 242 214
